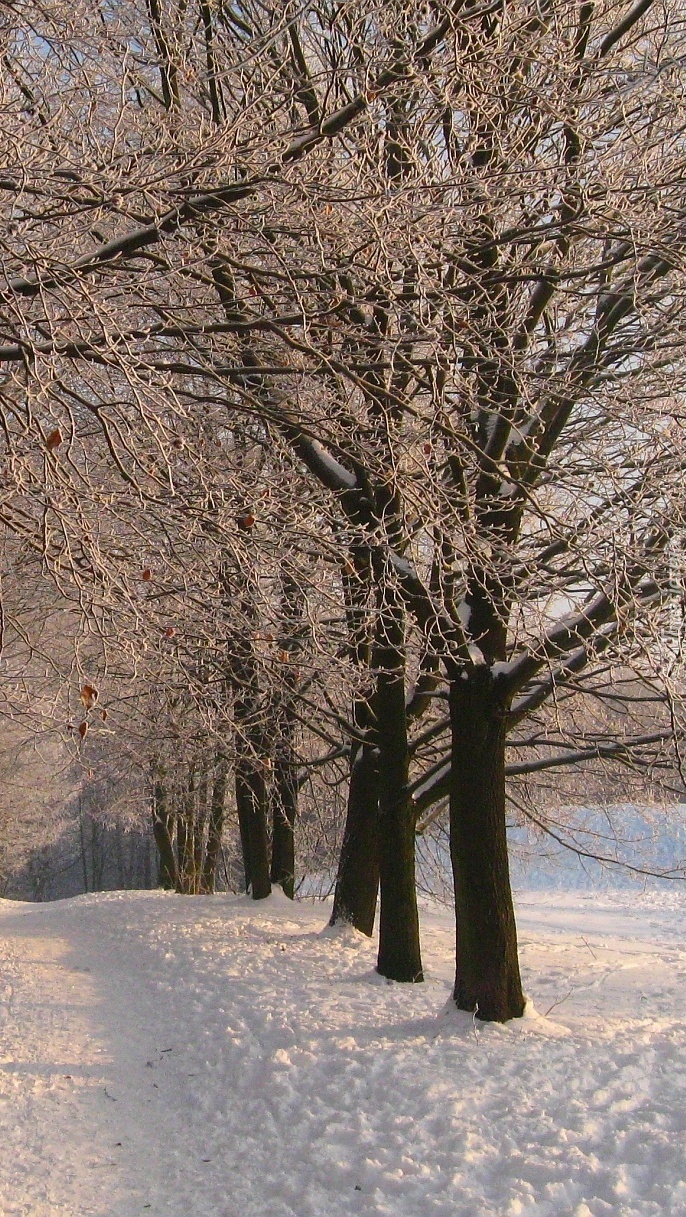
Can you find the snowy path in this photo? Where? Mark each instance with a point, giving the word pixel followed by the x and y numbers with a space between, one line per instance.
pixel 213 1058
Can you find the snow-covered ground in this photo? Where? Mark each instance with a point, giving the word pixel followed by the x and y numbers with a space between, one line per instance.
pixel 211 1057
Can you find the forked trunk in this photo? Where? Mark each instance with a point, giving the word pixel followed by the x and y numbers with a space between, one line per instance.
pixel 487 979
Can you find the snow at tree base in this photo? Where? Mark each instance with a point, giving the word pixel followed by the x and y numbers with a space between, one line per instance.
pixel 216 1057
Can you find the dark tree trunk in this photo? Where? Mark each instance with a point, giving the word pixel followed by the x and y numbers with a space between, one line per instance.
pixel 251 753
pixel 243 811
pixel 487 980
pixel 251 801
pixel 162 831
pixel 357 881
pixel 399 948
pixel 215 827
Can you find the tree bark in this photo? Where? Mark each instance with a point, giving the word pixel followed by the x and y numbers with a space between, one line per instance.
pixel 399 955
pixel 251 753
pixel 161 827
pixel 251 799
pixel 357 881
pixel 487 978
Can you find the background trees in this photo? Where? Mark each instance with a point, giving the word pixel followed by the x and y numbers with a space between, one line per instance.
pixel 358 331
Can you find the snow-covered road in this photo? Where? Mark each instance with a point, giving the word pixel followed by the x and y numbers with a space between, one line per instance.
pixel 217 1058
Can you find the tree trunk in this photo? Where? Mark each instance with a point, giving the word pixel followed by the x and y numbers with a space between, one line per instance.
pixel 487 979
pixel 357 881
pixel 399 948
pixel 251 798
pixel 251 753
pixel 161 827
pixel 215 827
pixel 285 786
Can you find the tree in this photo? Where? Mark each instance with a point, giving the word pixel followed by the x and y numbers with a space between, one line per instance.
pixel 436 252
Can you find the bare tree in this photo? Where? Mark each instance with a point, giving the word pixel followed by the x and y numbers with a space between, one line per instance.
pixel 436 251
